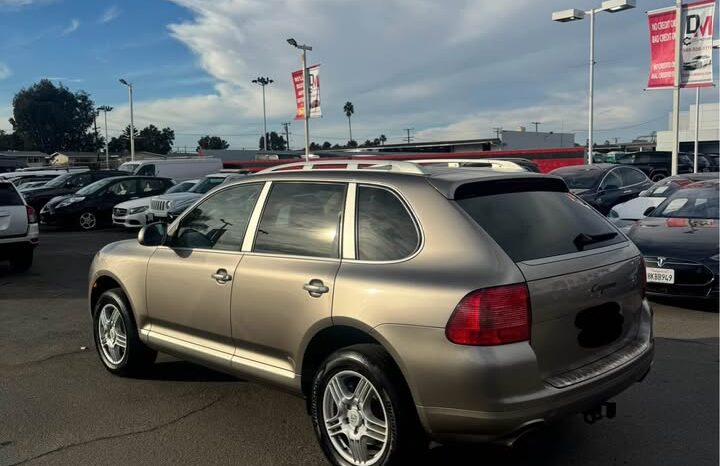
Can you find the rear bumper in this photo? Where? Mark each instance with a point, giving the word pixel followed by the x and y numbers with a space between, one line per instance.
pixel 492 393
pixel 10 246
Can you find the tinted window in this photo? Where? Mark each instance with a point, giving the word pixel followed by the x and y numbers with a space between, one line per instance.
pixel 302 219
pixel 152 186
pixel 612 180
pixel 147 170
pixel 9 196
pixel 385 230
pixel 220 221
pixel 180 187
pixel 532 225
pixel 584 179
pixel 207 184
pixel 630 176
pixel 123 188
pixel 642 158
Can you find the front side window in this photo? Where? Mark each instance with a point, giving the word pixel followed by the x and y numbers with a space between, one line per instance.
pixel 147 170
pixel 385 229
pixel 220 221
pixel 302 219
pixel 151 186
pixel 612 180
pixel 630 176
pixel 123 188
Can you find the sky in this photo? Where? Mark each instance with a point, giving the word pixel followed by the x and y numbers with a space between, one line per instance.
pixel 450 69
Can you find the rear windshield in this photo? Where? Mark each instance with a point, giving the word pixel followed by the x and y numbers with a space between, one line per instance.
pixel 537 224
pixel 9 196
pixel 690 203
pixel 584 179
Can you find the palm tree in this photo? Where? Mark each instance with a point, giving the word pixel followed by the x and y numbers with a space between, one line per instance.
pixel 349 110
pixel 383 138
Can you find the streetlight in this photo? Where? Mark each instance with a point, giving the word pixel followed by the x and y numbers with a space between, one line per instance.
pixel 565 16
pixel 306 93
pixel 264 82
pixel 105 109
pixel 132 124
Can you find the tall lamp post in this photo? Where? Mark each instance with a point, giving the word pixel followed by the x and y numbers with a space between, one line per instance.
pixel 564 16
pixel 306 93
pixel 264 82
pixel 105 109
pixel 132 124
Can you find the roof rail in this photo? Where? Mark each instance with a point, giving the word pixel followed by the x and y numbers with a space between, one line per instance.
pixel 492 164
pixel 379 165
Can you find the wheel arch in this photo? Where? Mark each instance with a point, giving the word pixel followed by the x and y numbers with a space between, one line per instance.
pixel 103 283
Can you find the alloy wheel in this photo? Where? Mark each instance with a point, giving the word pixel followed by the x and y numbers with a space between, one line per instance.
pixel 112 334
pixel 88 221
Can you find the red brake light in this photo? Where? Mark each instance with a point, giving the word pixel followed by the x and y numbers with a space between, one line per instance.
pixel 31 214
pixel 491 316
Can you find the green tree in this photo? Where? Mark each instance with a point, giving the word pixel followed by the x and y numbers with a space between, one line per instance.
pixel 314 146
pixel 52 118
pixel 352 144
pixel 382 139
pixel 12 141
pixel 277 142
pixel 149 139
pixel 349 109
pixel 212 142
pixel 326 145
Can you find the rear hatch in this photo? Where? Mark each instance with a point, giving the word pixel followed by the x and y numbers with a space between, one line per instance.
pixel 585 279
pixel 13 214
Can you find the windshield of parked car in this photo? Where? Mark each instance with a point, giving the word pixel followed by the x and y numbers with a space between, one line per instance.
pixel 59 181
pixel 667 186
pixel 128 167
pixel 207 184
pixel 92 188
pixel 180 187
pixel 692 202
pixel 580 179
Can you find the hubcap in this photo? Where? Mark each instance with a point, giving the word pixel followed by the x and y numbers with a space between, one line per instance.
pixel 112 334
pixel 355 418
pixel 87 221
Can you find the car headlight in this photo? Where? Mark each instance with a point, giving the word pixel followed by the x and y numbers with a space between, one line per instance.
pixel 137 210
pixel 716 257
pixel 170 205
pixel 70 200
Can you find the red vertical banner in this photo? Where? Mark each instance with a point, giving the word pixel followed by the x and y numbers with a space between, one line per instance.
pixel 314 84
pixel 662 48
pixel 297 79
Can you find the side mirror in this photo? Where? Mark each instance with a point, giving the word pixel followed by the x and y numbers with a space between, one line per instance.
pixel 154 234
pixel 648 211
pixel 643 193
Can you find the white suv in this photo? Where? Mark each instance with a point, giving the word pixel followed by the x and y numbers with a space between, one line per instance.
pixel 18 228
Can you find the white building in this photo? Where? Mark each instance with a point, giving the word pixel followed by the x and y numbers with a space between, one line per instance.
pixel 708 134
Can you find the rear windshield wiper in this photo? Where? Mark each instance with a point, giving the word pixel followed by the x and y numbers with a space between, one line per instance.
pixel 583 239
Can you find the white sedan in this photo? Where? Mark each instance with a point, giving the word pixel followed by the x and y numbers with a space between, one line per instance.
pixel 132 214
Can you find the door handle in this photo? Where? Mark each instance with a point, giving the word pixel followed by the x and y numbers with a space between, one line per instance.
pixel 627 191
pixel 221 276
pixel 315 288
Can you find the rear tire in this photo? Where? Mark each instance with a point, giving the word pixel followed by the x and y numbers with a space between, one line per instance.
pixel 22 260
pixel 378 428
pixel 87 221
pixel 116 338
pixel 658 176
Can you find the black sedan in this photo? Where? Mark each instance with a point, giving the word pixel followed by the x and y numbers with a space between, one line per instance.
pixel 92 205
pixel 603 185
pixel 679 241
pixel 64 184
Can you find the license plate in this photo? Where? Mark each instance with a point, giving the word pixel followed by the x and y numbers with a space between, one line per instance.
pixel 655 275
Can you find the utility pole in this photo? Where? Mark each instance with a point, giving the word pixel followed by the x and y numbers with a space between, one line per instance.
pixel 676 88
pixel 498 131
pixel 264 82
pixel 132 122
pixel 306 93
pixel 409 138
pixel 536 123
pixel 105 109
pixel 286 125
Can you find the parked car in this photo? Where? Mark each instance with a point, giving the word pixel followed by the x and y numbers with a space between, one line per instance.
pixel 697 62
pixel 348 288
pixel 133 214
pixel 25 185
pixel 62 185
pixel 679 240
pixel 656 164
pixel 19 231
pixel 625 214
pixel 707 163
pixel 92 205
pixel 161 205
pixel 604 185
pixel 179 169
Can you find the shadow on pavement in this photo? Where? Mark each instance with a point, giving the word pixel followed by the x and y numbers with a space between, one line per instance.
pixel 181 371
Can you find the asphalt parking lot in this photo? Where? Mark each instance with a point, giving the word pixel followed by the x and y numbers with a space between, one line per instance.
pixel 59 406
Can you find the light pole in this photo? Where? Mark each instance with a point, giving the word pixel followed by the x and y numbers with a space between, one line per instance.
pixel 611 6
pixel 306 93
pixel 105 109
pixel 264 82
pixel 132 124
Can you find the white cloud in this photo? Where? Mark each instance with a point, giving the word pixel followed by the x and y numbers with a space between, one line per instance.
pixel 109 14
pixel 17 4
pixel 72 27
pixel 4 71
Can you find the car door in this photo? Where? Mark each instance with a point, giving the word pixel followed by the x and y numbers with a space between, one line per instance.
pixel 609 191
pixel 284 284
pixel 119 191
pixel 190 280
pixel 633 182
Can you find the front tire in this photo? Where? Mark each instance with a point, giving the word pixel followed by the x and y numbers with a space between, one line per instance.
pixel 87 221
pixel 116 338
pixel 362 410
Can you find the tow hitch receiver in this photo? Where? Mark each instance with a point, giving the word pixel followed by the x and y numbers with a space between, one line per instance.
pixel 607 409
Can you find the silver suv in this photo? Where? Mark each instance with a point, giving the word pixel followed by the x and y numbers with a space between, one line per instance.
pixel 404 303
pixel 18 228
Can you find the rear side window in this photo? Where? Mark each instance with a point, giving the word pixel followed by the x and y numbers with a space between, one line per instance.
pixel 9 196
pixel 147 170
pixel 385 230
pixel 537 224
pixel 302 219
pixel 151 186
pixel 630 176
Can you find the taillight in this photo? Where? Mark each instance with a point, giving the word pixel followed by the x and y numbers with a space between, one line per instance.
pixel 31 215
pixel 491 316
pixel 642 277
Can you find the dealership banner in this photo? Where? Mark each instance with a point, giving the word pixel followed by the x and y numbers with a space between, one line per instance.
pixel 314 78
pixel 696 68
